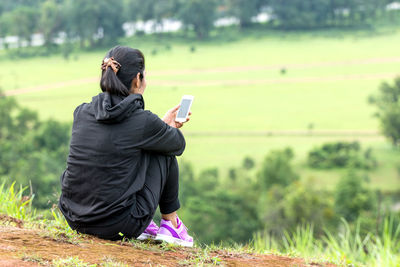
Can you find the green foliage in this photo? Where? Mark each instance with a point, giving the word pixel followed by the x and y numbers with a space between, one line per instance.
pixel 322 13
pixel 220 215
pixel 150 9
pixel 50 135
pixel 352 196
pixel 33 152
pixel 86 17
pixel 5 25
pixel 340 155
pixel 198 14
pixel 186 180
pixel 387 100
pixel 218 211
pixel 283 209
pixel 284 202
pixel 248 163
pixel 24 20
pixel 244 10
pixel 14 203
pixel 277 170
pixel 51 20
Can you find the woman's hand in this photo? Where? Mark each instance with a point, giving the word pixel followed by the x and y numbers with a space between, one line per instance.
pixel 169 117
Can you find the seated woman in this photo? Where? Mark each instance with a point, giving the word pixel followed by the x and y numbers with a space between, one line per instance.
pixel 122 160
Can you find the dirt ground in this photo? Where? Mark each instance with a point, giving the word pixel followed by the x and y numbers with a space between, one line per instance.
pixel 34 247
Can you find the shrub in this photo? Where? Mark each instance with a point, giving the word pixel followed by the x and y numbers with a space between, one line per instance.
pixel 352 196
pixel 388 103
pixel 277 169
pixel 340 155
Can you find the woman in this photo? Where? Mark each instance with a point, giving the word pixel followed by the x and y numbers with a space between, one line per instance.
pixel 121 163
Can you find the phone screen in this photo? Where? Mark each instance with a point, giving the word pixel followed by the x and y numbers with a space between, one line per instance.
pixel 184 108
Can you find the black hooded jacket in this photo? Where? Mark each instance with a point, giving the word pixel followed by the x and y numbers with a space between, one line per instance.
pixel 107 165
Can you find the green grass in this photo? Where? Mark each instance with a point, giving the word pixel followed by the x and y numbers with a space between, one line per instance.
pixel 238 87
pixel 14 204
pixel 346 248
pixel 71 262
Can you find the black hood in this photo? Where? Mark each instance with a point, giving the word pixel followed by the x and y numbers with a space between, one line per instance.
pixel 112 108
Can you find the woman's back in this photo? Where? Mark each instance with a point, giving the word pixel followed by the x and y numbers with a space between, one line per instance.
pixel 107 163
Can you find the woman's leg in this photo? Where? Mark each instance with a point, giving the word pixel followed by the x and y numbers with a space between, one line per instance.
pixel 169 202
pixel 165 193
pixel 161 187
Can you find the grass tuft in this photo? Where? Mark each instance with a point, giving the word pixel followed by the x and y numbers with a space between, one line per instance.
pixel 15 204
pixel 348 247
pixel 71 262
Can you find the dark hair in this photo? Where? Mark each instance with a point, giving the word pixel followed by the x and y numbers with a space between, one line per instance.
pixel 132 62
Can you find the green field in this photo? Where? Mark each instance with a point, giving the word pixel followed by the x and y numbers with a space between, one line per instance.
pixel 243 104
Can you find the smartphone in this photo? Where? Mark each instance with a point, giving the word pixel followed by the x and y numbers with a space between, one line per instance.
pixel 184 109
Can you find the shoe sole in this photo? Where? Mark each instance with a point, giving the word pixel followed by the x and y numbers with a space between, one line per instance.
pixel 144 236
pixel 173 240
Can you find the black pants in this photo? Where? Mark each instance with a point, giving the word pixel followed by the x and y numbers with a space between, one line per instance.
pixel 160 188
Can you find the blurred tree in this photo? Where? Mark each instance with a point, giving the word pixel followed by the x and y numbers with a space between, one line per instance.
pixel 321 13
pixel 387 100
pixel 226 207
pixel 207 180
pixel 352 196
pixel 300 14
pixel 51 21
pixel 199 15
pixel 277 169
pixel 24 22
pixel 51 135
pixel 32 152
pixel 91 20
pixel 220 215
pixel 232 173
pixel 5 24
pixel 111 20
pixel 283 209
pixel 13 127
pixel 187 184
pixel 244 10
pixel 341 154
pixel 156 10
pixel 248 163
pixel 9 5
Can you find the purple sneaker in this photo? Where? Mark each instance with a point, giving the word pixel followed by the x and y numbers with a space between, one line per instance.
pixel 150 232
pixel 170 234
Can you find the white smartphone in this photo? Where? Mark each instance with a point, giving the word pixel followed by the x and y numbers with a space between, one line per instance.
pixel 184 109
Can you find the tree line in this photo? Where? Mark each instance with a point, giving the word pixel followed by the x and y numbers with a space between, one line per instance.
pixel 94 22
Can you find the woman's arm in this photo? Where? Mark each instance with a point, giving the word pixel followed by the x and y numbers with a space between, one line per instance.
pixel 169 117
pixel 163 136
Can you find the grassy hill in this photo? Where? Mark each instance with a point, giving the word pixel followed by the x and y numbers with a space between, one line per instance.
pixel 31 239
pixel 253 93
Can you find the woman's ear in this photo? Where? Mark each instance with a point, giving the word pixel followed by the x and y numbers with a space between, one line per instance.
pixel 136 84
pixel 139 81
